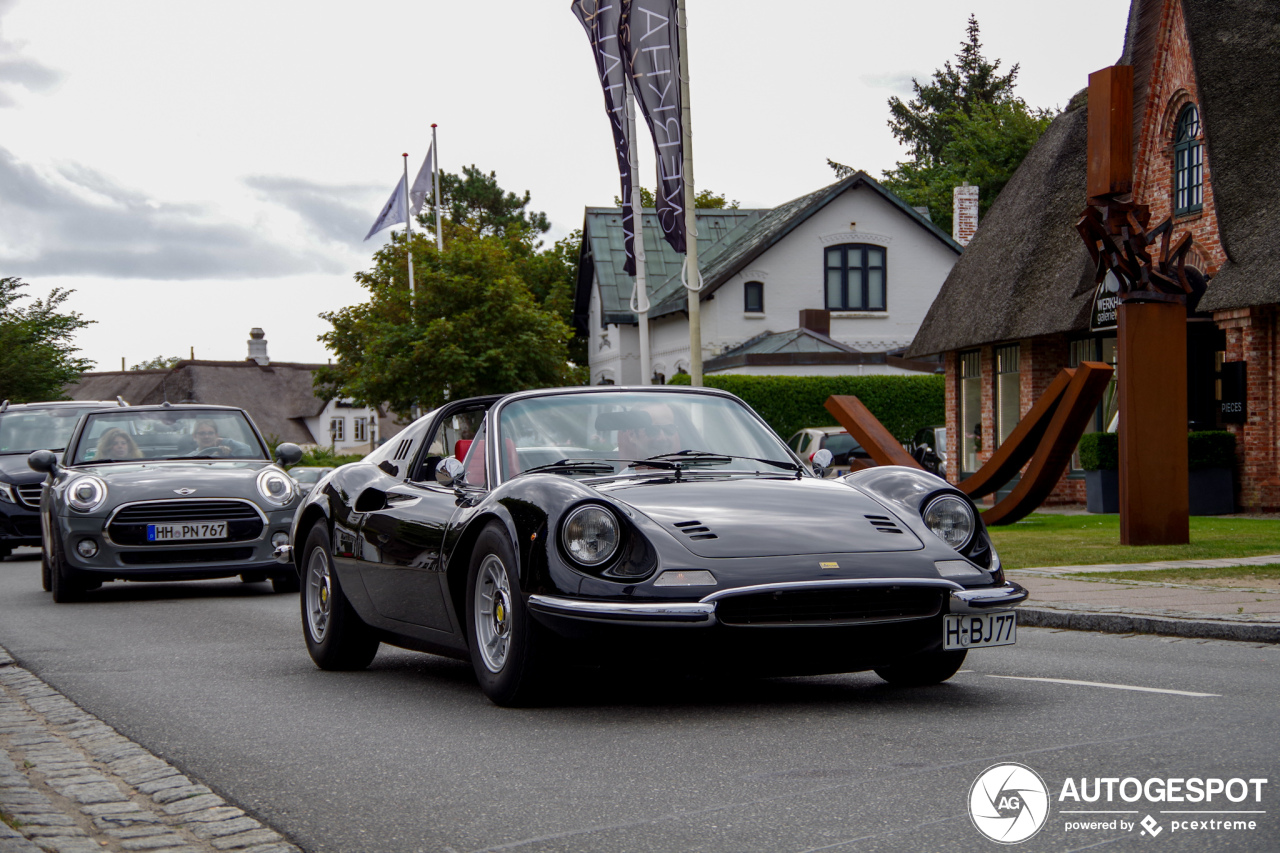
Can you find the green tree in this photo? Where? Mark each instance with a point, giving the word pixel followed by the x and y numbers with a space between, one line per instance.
pixel 702 200
pixel 160 362
pixel 474 328
pixel 475 202
pixel 37 357
pixel 964 125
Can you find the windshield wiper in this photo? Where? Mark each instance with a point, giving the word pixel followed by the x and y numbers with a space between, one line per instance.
pixel 571 466
pixel 722 458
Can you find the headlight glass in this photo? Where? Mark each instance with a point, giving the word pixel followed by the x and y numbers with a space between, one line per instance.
pixel 275 486
pixel 6 494
pixel 950 519
pixel 590 535
pixel 86 494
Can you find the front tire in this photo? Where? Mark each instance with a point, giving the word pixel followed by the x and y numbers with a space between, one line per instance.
pixel 507 647
pixel 923 669
pixel 337 639
pixel 64 581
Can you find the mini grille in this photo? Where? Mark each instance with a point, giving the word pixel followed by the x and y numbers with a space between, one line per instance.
pixel 827 606
pixel 189 510
pixel 29 494
pixel 883 523
pixel 156 557
pixel 695 530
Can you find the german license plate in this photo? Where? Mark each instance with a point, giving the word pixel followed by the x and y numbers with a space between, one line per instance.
pixel 195 530
pixel 980 630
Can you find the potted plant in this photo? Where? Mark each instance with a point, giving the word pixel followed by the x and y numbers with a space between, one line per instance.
pixel 1100 459
pixel 1211 458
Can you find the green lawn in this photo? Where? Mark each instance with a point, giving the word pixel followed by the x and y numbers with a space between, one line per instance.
pixel 1260 576
pixel 1044 539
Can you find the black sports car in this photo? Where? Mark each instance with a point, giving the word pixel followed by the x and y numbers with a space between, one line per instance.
pixel 639 525
pixel 161 493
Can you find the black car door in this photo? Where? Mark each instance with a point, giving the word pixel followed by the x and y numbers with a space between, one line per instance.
pixel 403 529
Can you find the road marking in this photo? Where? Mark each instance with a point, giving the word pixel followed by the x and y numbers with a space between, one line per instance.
pixel 1104 684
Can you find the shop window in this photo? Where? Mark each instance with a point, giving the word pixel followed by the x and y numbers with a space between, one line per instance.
pixel 970 414
pixel 1008 390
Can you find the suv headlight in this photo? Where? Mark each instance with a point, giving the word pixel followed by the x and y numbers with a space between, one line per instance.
pixel 590 535
pixel 951 519
pixel 85 494
pixel 6 494
pixel 275 486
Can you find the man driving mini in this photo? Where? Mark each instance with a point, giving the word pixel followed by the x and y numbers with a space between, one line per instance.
pixel 209 443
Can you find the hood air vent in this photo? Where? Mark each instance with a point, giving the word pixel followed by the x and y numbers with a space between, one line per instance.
pixel 695 530
pixel 883 523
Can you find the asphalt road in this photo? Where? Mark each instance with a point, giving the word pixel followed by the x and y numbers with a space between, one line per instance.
pixel 409 756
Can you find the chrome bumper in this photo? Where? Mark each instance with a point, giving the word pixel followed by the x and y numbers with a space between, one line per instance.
pixel 283 554
pixel 703 613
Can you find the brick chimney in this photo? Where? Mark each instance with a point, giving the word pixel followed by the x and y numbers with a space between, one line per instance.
pixel 258 347
pixel 816 320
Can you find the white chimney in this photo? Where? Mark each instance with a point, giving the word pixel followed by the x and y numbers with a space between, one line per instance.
pixel 258 347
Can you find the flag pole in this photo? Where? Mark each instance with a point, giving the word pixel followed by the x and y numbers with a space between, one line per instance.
pixel 408 229
pixel 692 277
pixel 640 295
pixel 435 164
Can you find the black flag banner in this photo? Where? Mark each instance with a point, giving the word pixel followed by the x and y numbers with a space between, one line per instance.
pixel 651 46
pixel 602 19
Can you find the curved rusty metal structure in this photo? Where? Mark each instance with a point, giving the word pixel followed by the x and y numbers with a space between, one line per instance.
pixel 1043 441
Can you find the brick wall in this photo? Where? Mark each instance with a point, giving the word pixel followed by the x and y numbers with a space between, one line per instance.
pixel 1252 338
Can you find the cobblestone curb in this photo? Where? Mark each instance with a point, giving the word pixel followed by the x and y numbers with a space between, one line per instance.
pixel 69 783
pixel 1078 617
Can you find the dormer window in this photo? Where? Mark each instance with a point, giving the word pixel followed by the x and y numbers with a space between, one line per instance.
pixel 1188 162
pixel 855 278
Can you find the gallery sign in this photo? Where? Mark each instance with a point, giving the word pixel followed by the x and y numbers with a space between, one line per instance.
pixel 1106 305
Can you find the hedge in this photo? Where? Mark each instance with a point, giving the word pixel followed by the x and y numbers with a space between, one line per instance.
pixel 1210 448
pixel 904 404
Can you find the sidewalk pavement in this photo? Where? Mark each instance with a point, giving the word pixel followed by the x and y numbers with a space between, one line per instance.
pixel 1100 603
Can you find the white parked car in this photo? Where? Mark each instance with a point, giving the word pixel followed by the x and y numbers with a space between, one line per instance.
pixel 848 454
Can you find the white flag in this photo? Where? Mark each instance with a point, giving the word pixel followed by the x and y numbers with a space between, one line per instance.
pixel 392 212
pixel 423 185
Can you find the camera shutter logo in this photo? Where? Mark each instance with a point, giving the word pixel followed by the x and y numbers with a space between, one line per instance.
pixel 1008 803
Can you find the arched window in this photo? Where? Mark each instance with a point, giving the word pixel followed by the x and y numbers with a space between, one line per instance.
pixel 855 278
pixel 1188 162
pixel 753 297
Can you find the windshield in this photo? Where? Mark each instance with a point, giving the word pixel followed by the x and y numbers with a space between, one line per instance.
pixel 627 426
pixel 24 431
pixel 126 436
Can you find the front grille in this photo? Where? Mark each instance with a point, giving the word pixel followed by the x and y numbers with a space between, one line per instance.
pixel 215 556
pixel 129 526
pixel 828 606
pixel 29 495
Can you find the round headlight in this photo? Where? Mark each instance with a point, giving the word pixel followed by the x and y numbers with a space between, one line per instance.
pixel 276 487
pixel 86 494
pixel 950 519
pixel 590 535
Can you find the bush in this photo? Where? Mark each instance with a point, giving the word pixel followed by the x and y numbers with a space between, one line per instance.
pixel 323 457
pixel 1100 451
pixel 1211 448
pixel 904 404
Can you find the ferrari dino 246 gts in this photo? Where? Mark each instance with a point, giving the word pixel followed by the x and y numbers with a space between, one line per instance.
pixel 639 526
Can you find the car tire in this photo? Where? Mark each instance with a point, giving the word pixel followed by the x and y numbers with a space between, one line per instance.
pixel 46 574
pixel 285 583
pixel 508 649
pixel 337 638
pixel 923 669
pixel 64 581
pixel 5 551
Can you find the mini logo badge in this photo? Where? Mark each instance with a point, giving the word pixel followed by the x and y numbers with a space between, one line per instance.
pixel 1008 803
pixel 184 492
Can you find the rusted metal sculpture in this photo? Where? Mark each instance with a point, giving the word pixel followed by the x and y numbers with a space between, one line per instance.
pixel 1043 441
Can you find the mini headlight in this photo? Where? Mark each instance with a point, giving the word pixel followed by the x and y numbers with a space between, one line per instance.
pixel 950 519
pixel 590 535
pixel 276 487
pixel 86 494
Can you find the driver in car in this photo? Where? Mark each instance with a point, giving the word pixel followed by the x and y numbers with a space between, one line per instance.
pixel 209 443
pixel 660 436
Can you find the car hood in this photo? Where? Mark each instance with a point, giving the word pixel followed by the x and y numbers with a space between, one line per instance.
pixel 158 480
pixel 14 469
pixel 765 517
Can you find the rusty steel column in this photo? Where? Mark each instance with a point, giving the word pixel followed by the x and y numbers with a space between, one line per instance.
pixel 1152 384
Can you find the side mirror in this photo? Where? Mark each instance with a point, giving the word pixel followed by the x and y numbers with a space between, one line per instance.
pixel 449 472
pixel 822 462
pixel 43 461
pixel 288 454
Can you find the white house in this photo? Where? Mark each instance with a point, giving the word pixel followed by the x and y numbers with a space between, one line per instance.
pixel 834 282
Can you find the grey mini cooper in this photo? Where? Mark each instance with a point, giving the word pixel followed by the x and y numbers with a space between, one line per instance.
pixel 164 493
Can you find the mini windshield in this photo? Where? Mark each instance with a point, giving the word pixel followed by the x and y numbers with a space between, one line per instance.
pixel 127 436
pixel 27 430
pixel 624 427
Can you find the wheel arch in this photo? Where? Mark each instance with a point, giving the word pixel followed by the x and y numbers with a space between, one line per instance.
pixel 314 513
pixel 460 556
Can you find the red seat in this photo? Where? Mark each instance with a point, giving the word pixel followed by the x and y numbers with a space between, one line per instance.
pixel 475 463
pixel 460 448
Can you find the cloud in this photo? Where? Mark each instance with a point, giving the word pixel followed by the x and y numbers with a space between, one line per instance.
pixel 340 213
pixel 77 221
pixel 19 71
pixel 898 82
